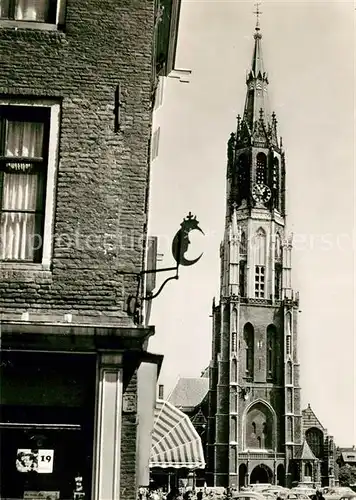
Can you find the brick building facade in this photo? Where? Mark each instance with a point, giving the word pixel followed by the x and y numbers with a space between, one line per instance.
pixel 76 93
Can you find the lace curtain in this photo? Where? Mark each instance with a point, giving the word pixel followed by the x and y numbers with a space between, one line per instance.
pixel 21 192
pixel 26 10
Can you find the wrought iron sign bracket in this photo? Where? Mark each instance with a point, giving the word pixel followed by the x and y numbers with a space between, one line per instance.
pixel 151 295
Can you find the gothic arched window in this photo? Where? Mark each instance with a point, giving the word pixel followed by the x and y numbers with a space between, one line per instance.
pixel 249 348
pixel 278 248
pixel 242 265
pixel 315 440
pixel 243 244
pixel 275 183
pixel 308 470
pixel 243 176
pixel 261 168
pixel 242 278
pixel 260 247
pixel 277 267
pixel 271 343
pixel 258 427
pixel 277 281
pixel 260 263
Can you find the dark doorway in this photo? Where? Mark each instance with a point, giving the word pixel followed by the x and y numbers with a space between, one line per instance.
pixel 242 475
pixel 294 475
pixel 261 474
pixel 47 417
pixel 281 476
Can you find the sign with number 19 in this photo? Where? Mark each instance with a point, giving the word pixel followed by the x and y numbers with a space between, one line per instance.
pixel 45 461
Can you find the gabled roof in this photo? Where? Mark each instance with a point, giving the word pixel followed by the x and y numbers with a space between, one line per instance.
pixel 199 418
pixel 189 392
pixel 349 456
pixel 303 452
pixel 310 420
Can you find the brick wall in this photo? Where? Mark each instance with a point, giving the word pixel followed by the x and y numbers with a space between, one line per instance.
pixel 102 175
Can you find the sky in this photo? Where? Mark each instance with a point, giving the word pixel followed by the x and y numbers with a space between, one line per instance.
pixel 308 50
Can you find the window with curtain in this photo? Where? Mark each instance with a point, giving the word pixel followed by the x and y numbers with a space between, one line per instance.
pixel 23 173
pixel 41 11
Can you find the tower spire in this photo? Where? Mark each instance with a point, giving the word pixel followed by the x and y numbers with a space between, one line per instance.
pixel 257 82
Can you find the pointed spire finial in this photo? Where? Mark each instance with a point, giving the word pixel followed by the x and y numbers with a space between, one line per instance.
pixel 238 121
pixel 258 13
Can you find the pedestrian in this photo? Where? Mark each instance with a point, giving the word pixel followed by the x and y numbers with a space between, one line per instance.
pixel 173 494
pixel 319 495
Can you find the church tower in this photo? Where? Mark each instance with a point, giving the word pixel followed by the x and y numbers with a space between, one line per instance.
pixel 255 420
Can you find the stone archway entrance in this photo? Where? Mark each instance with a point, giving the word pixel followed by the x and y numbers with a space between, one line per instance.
pixel 242 475
pixel 281 475
pixel 261 474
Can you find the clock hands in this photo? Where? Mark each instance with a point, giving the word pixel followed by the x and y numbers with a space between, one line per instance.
pixel 261 192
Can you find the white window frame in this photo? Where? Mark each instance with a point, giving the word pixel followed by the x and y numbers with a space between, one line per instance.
pixel 17 23
pixel 52 165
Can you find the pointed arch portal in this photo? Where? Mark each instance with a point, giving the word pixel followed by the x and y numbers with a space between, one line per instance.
pixel 281 475
pixel 242 475
pixel 261 474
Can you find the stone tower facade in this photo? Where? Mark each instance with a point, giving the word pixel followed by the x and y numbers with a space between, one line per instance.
pixel 255 419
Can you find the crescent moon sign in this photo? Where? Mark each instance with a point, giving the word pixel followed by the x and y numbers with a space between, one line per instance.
pixel 181 241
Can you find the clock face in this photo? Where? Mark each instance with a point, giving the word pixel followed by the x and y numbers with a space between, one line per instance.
pixel 261 192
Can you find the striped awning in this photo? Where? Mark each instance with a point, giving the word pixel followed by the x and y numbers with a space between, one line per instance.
pixel 175 442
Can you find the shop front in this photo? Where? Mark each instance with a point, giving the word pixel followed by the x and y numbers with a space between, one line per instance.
pixel 47 419
pixel 68 411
